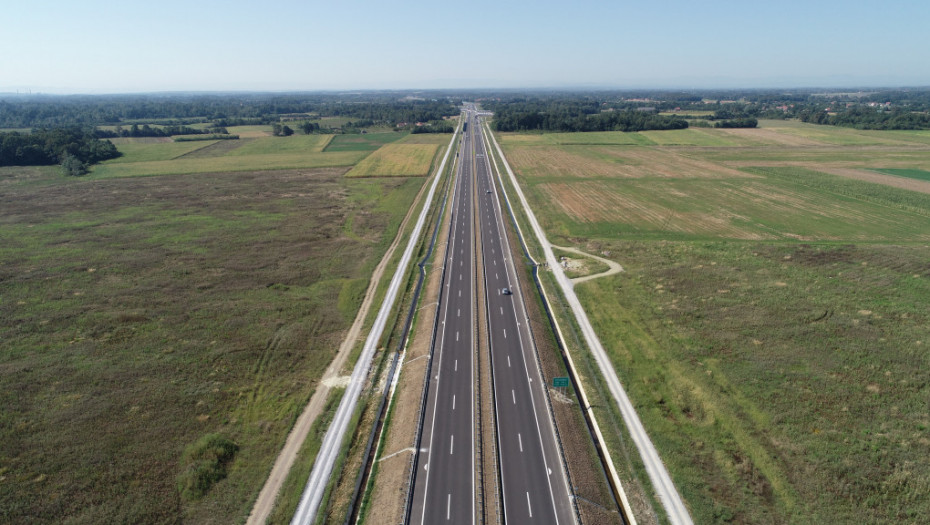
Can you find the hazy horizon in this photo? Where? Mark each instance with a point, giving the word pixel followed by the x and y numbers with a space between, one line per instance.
pixel 97 47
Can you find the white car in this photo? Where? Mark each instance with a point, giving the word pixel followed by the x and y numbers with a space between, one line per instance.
pixel 506 291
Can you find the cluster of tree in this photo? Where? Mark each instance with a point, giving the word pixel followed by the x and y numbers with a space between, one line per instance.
pixel 747 122
pixel 73 148
pixel 436 126
pixel 164 131
pixel 309 127
pixel 868 118
pixel 281 130
pixel 391 113
pixel 577 116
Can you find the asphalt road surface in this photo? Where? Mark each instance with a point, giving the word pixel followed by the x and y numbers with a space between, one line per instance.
pixel 534 487
pixel 444 486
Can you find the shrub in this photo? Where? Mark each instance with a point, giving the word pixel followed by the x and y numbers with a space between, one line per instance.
pixel 203 464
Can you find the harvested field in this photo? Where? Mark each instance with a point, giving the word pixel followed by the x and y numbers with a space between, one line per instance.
pixel 295 144
pixel 558 162
pixel 141 315
pixel 396 160
pixel 769 136
pixel 735 209
pixel 245 132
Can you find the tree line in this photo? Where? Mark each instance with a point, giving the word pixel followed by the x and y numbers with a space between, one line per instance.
pixel 43 111
pixel 576 116
pixel 164 131
pixel 73 148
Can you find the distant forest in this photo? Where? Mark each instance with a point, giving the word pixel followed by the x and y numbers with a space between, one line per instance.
pixel 651 109
pixel 221 110
pixel 575 115
pixel 68 130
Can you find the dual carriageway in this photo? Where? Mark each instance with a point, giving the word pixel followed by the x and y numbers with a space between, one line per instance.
pixel 533 486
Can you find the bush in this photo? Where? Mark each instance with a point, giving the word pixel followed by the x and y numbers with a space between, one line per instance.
pixel 204 464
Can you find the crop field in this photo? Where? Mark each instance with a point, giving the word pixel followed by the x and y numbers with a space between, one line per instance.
pixel 155 148
pixel 254 131
pixel 911 174
pixel 770 325
pixel 159 335
pixel 396 160
pixel 147 157
pixel 361 141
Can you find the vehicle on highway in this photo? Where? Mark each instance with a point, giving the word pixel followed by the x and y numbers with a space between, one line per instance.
pixel 487 191
pixel 506 291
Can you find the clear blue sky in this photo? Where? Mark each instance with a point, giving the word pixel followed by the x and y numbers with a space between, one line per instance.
pixel 95 46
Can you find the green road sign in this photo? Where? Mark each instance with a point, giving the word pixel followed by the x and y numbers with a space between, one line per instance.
pixel 560 382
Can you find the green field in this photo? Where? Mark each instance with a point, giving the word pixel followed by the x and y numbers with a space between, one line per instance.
pixel 770 325
pixel 147 157
pixel 145 319
pixel 362 141
pixel 911 174
pixel 142 150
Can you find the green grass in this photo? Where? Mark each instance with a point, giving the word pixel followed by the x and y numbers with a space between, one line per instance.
pixel 362 141
pixel 591 138
pixel 295 144
pixel 147 152
pixel 694 137
pixel 782 383
pixel 908 173
pixel 770 324
pixel 141 314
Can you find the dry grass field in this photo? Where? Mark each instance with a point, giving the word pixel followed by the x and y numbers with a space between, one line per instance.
pixel 770 325
pixel 159 334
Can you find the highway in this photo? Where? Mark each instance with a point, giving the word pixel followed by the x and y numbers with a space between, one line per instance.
pixel 444 486
pixel 534 488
